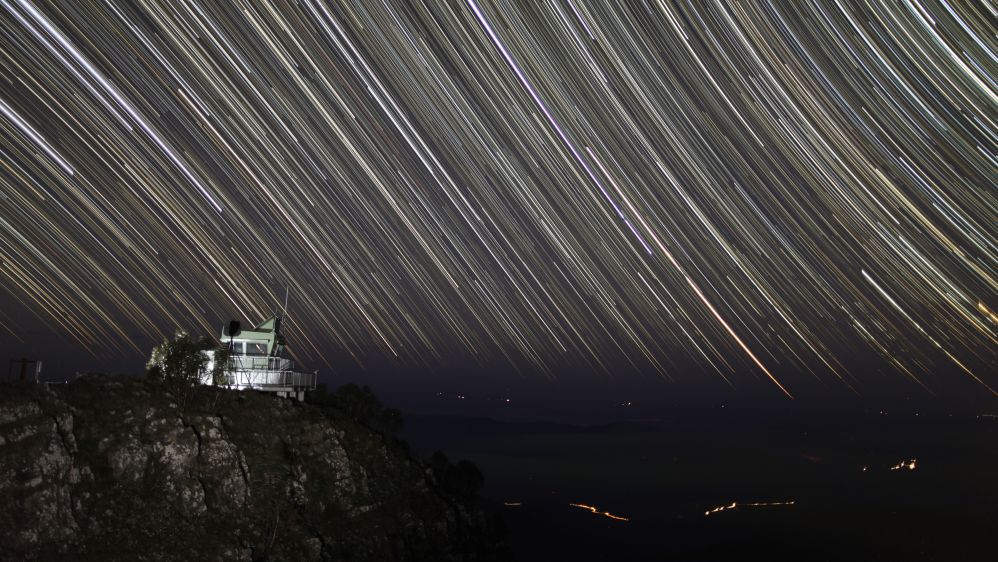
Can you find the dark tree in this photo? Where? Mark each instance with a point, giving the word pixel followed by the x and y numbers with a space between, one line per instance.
pixel 180 359
pixel 462 481
pixel 358 403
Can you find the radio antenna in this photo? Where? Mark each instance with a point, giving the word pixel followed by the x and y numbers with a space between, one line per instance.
pixel 287 290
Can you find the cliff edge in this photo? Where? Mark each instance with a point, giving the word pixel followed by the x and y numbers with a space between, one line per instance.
pixel 112 468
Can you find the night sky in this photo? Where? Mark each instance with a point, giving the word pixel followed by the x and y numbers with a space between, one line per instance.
pixel 778 196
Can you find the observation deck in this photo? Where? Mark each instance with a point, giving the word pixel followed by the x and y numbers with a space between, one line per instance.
pixel 255 362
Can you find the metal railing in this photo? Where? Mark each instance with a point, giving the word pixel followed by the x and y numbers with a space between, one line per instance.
pixel 266 372
pixel 260 363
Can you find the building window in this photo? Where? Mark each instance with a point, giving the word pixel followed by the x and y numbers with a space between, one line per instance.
pixel 256 348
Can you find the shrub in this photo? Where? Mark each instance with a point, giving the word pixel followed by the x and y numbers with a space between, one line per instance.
pixel 462 481
pixel 221 373
pixel 357 402
pixel 180 359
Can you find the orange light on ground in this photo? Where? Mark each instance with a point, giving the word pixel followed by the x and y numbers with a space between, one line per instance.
pixel 598 512
pixel 735 505
pixel 721 508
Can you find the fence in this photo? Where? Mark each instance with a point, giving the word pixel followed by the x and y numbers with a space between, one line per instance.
pixel 266 372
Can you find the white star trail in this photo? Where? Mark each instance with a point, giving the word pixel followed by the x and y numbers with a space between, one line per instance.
pixel 767 191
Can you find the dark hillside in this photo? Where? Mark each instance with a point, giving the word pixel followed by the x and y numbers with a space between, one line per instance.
pixel 113 468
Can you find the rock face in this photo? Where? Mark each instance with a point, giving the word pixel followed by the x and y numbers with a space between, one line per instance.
pixel 114 469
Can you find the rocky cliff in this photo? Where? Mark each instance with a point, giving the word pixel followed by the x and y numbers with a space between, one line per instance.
pixel 113 468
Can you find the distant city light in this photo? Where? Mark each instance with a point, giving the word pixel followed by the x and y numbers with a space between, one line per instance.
pixel 908 464
pixel 598 512
pixel 736 505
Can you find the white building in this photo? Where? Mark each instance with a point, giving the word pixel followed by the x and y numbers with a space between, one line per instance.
pixel 255 362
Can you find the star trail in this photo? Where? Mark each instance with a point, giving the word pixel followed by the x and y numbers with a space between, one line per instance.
pixel 768 193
